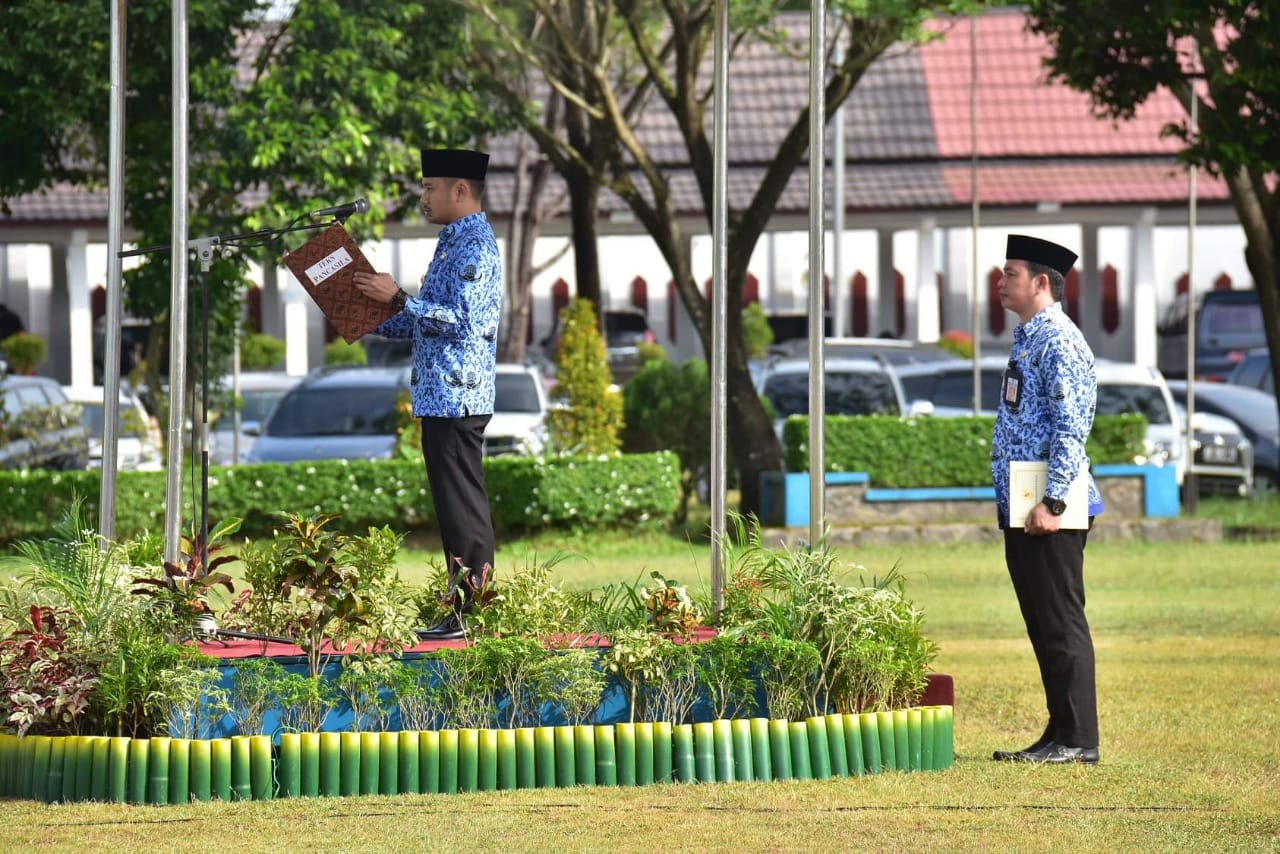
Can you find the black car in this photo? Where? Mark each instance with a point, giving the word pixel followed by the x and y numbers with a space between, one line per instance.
pixel 39 428
pixel 1254 371
pixel 1255 412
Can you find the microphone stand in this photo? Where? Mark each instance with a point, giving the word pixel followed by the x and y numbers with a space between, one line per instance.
pixel 205 248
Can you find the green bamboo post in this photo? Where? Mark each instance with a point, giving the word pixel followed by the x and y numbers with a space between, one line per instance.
pixel 644 753
pixel 943 737
pixel 915 749
pixel 584 751
pixel 743 770
pixel 8 763
pixel 761 759
pixel 704 752
pixel 566 761
pixel 780 749
pixel 180 771
pixel 290 767
pixel 410 766
pixel 544 747
pixel 27 755
pixel 722 744
pixel 835 743
pixel 330 764
pixel 429 762
pixel 488 777
pixel 508 760
pixel 349 782
pixel 220 765
pixel 819 747
pixel 158 765
pixel 901 740
pixel 888 744
pixel 468 759
pixel 853 744
pixel 625 736
pixel 926 738
pixel 118 770
pixel 71 766
pixel 242 767
pixel 201 770
pixel 526 758
pixel 683 753
pixel 309 765
pixel 84 769
pixel 606 756
pixel 139 751
pixel 57 768
pixel 801 764
pixel 42 753
pixel 100 786
pixel 262 781
pixel 370 762
pixel 449 761
pixel 389 763
pixel 662 744
pixel 869 723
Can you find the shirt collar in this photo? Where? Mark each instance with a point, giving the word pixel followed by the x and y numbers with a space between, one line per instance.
pixel 461 224
pixel 1046 316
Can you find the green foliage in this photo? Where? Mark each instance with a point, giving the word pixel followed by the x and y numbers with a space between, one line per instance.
pixel 363 682
pixel 252 694
pixel 570 681
pixel 24 351
pixel 47 682
pixel 304 701
pixel 757 334
pixel 667 407
pixel 591 418
pixel 570 493
pixel 907 452
pixel 339 352
pixel 184 586
pixel 787 670
pixel 529 604
pixel 724 669
pixel 259 352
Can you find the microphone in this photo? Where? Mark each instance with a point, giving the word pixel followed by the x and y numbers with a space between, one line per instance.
pixel 359 206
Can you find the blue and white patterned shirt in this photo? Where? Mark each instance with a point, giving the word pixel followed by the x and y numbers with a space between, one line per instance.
pixel 1055 414
pixel 454 323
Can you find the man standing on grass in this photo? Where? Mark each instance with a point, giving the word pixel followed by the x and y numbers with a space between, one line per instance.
pixel 1047 401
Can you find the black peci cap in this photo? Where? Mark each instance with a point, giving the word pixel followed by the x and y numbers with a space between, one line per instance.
pixel 1023 248
pixel 454 163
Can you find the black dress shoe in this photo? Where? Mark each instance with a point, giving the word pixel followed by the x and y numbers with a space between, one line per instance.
pixel 1053 753
pixel 1016 755
pixel 450 628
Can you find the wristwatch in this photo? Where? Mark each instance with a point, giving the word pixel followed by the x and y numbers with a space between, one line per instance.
pixel 1056 505
pixel 398 299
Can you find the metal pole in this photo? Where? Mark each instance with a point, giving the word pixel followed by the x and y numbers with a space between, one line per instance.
pixel 975 276
pixel 817 327
pixel 1191 491
pixel 719 297
pixel 177 291
pixel 840 321
pixel 115 281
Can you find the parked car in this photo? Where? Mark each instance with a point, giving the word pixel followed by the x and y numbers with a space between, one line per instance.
pixel 1222 456
pixel 1254 371
pixel 337 413
pixel 519 413
pixel 1228 325
pixel 260 391
pixel 1255 412
pixel 39 428
pixel 851 387
pixel 623 330
pixel 892 350
pixel 138 439
pixel 1124 388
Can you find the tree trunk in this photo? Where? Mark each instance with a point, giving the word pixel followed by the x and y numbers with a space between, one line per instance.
pixel 584 203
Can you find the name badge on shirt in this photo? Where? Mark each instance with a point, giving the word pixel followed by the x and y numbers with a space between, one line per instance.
pixel 1011 387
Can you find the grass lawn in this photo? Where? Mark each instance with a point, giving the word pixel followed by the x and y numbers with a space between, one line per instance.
pixel 1188 649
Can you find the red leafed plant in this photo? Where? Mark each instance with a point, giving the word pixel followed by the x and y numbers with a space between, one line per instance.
pixel 186 583
pixel 47 687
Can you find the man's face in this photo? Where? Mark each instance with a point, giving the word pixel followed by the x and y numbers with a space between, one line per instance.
pixel 1019 290
pixel 439 200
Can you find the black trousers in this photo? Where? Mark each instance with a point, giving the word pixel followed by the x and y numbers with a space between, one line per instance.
pixel 453 449
pixel 1048 577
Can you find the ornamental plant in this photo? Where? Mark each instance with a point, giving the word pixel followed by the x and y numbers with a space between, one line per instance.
pixel 24 351
pixel 184 585
pixel 259 352
pixel 47 684
pixel 591 417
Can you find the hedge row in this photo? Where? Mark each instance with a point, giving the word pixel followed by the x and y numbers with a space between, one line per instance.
pixel 575 493
pixel 900 453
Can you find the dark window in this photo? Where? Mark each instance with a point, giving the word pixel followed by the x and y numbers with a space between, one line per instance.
pixel 335 412
pixel 846 394
pixel 1145 400
pixel 258 404
pixel 515 393
pixel 955 390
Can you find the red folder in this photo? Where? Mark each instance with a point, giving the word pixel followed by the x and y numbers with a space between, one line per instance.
pixel 324 266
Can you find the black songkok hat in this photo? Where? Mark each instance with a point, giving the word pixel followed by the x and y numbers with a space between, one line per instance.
pixel 1023 248
pixel 454 163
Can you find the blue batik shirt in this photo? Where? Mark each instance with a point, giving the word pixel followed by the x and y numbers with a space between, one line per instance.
pixel 453 322
pixel 1055 414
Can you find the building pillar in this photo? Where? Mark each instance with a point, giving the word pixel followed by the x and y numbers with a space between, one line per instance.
pixel 923 309
pixel 1090 285
pixel 70 337
pixel 884 312
pixel 272 308
pixel 1141 308
pixel 16 286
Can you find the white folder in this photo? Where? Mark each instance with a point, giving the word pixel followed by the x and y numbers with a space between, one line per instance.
pixel 1027 482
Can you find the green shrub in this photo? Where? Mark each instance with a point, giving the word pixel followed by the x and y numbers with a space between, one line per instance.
pixel 24 351
pixel 910 452
pixel 757 334
pixel 259 352
pixel 667 407
pixel 339 352
pixel 591 418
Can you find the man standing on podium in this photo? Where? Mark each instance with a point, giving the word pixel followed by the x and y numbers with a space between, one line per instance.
pixel 1047 401
pixel 453 322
